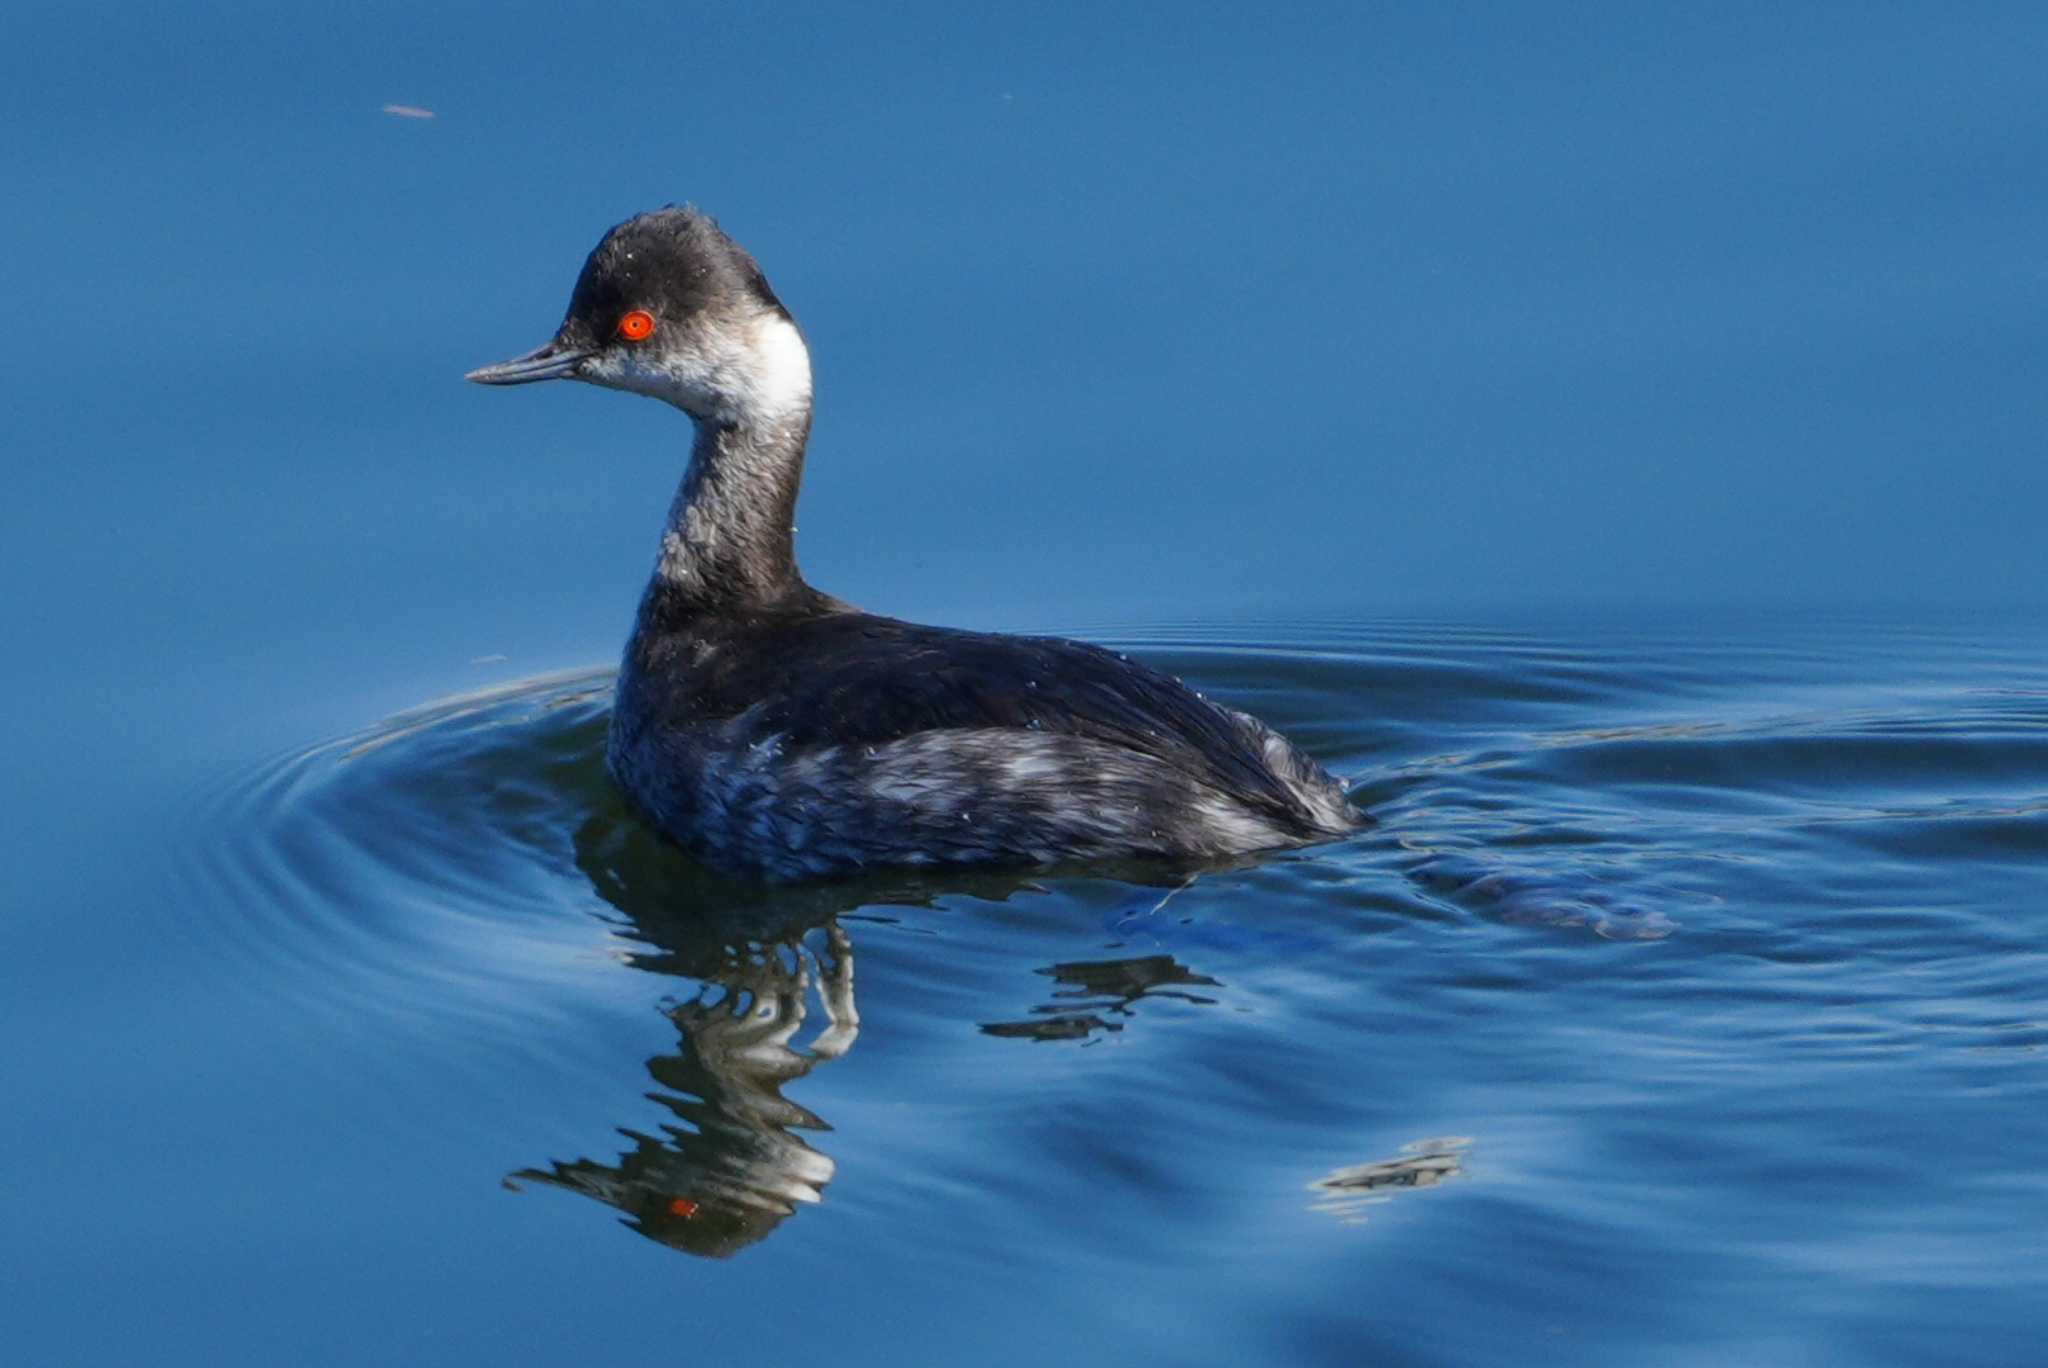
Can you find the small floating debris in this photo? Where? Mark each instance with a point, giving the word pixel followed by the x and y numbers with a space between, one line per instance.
pixel 402 111
pixel 1346 1192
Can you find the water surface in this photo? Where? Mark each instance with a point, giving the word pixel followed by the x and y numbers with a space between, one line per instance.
pixel 1685 999
pixel 1683 1005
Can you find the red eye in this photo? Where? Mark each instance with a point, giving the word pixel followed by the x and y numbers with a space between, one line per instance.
pixel 637 326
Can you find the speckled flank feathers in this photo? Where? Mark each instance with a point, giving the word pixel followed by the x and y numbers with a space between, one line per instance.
pixel 946 796
pixel 823 743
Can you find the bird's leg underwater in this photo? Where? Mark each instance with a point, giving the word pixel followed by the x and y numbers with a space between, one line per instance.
pixel 1146 903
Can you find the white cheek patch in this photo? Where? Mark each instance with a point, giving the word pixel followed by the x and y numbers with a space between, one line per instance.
pixel 757 374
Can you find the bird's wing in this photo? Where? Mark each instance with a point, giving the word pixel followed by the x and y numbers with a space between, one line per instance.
pixel 852 679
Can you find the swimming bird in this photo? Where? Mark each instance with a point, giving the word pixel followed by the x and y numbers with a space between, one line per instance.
pixel 775 732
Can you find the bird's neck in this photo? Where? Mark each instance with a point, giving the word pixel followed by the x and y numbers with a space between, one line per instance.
pixel 730 544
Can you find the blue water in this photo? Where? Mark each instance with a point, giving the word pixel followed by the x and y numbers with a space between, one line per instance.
pixel 1685 1002
pixel 1610 439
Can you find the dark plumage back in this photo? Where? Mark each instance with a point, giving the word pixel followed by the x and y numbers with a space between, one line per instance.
pixel 818 678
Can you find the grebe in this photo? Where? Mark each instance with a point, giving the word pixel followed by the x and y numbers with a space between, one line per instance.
pixel 775 732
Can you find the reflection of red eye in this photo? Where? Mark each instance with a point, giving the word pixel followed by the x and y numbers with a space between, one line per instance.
pixel 681 1206
pixel 637 326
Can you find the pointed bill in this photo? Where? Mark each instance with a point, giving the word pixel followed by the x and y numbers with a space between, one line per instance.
pixel 553 361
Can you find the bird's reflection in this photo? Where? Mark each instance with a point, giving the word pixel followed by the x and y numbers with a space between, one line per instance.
pixel 736 1158
pixel 732 1165
pixel 734 1162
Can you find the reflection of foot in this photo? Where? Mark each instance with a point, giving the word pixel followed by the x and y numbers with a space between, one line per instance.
pixel 835 995
pixel 1089 988
pixel 1536 897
